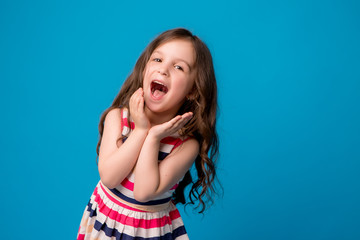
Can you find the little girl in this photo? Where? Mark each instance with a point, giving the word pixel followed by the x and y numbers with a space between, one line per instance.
pixel 161 122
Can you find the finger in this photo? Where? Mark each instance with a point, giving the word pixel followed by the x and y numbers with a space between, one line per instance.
pixel 136 97
pixel 168 126
pixel 187 115
pixel 133 97
pixel 173 121
pixel 137 93
pixel 178 124
pixel 182 123
pixel 186 118
pixel 141 103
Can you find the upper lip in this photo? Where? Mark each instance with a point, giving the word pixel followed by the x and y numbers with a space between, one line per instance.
pixel 159 81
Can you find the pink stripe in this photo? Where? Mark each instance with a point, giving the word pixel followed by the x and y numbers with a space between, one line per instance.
pixel 125 123
pixel 134 222
pixel 180 142
pixel 170 140
pixel 114 200
pixel 174 187
pixel 174 214
pixel 127 184
pixel 177 144
pixel 81 237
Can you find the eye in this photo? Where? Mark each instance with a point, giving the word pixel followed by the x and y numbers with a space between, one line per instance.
pixel 157 60
pixel 179 67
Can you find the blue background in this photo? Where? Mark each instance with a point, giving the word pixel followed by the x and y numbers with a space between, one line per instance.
pixel 289 78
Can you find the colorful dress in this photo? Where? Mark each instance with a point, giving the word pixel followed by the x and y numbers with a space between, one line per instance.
pixel 115 214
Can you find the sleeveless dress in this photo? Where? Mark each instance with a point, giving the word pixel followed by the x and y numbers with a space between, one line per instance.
pixel 115 214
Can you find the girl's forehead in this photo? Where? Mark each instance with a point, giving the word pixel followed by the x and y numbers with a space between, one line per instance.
pixel 177 48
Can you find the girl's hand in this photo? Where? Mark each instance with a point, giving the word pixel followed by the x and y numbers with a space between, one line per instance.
pixel 137 112
pixel 168 128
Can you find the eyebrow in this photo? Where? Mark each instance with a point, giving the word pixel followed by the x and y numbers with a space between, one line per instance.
pixel 176 59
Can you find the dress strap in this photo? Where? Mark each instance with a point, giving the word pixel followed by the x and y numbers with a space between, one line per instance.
pixel 126 122
pixel 180 141
pixel 121 113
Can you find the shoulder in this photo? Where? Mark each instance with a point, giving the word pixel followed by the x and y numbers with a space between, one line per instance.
pixel 119 119
pixel 113 127
pixel 113 118
pixel 114 114
pixel 189 144
pixel 192 142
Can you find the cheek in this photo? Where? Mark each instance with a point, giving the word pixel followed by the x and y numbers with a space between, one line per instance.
pixel 190 85
pixel 184 89
pixel 145 74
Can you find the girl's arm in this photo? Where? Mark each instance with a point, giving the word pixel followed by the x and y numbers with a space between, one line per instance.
pixel 152 178
pixel 117 159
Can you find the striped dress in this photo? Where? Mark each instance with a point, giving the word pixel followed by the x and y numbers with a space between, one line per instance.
pixel 115 214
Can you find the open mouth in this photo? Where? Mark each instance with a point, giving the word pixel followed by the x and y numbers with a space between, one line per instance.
pixel 158 89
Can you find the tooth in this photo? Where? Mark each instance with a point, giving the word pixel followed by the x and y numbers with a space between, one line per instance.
pixel 159 83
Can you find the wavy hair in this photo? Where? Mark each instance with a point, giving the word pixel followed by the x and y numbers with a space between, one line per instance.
pixel 202 102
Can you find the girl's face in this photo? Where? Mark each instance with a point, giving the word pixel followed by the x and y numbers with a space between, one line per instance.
pixel 169 76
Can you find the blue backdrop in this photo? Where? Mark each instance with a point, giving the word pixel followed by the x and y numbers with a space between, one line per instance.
pixel 289 91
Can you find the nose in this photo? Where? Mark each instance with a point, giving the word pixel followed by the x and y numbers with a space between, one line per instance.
pixel 163 70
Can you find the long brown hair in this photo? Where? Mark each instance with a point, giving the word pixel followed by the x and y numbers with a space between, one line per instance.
pixel 202 102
